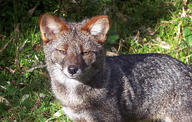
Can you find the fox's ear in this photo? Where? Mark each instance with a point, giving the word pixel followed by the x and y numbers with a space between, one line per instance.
pixel 97 26
pixel 50 26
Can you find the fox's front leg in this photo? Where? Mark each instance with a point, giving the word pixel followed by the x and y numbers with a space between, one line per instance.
pixel 87 117
pixel 79 120
pixel 96 116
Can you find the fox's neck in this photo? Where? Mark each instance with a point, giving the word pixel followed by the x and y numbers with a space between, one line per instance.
pixel 96 78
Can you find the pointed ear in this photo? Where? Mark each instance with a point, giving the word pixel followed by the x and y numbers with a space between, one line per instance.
pixel 50 26
pixel 97 26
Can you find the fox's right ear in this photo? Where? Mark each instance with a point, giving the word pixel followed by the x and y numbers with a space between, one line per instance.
pixel 50 26
pixel 97 26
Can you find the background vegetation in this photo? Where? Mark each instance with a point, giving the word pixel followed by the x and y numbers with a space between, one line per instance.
pixel 137 26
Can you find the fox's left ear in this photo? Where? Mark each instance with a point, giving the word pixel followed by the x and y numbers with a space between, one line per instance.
pixel 97 26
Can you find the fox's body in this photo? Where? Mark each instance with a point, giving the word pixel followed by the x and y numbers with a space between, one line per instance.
pixel 95 88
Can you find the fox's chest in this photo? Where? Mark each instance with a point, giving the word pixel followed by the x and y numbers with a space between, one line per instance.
pixel 72 97
pixel 69 98
pixel 64 88
pixel 67 95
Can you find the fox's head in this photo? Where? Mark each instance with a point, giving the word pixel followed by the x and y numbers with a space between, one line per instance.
pixel 74 49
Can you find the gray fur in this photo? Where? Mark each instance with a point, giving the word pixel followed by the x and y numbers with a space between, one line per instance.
pixel 140 87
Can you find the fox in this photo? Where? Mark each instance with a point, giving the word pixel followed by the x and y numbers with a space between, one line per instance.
pixel 93 87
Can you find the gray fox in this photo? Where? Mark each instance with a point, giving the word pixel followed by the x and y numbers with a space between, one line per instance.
pixel 94 88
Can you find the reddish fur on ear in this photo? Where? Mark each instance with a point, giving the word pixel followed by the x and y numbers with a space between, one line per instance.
pixel 100 36
pixel 91 21
pixel 43 23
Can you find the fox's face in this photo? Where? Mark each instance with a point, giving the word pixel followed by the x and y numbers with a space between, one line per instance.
pixel 74 50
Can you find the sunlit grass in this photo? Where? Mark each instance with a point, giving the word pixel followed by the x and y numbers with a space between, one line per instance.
pixel 25 93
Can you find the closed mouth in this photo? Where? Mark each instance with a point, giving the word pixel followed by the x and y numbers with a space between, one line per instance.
pixel 67 74
pixel 71 76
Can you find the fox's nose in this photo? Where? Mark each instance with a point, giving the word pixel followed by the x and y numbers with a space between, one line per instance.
pixel 72 69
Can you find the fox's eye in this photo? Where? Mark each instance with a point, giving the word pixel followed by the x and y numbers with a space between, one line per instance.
pixel 62 51
pixel 85 53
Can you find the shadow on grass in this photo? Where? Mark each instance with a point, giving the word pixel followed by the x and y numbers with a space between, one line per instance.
pixel 133 15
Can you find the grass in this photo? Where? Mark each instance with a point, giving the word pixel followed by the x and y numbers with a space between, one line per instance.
pixel 151 26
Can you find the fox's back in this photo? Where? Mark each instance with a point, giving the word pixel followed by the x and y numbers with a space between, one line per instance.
pixel 151 83
pixel 149 67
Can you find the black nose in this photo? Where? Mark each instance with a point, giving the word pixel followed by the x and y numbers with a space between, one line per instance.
pixel 72 69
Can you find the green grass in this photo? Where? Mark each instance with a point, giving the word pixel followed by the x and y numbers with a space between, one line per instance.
pixel 151 26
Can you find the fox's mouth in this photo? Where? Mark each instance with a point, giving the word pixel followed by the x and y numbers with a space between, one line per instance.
pixel 71 75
